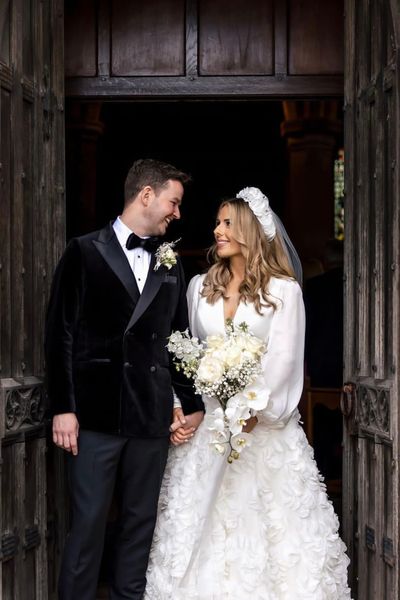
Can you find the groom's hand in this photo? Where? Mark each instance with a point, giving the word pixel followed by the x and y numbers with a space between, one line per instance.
pixel 183 433
pixel 66 431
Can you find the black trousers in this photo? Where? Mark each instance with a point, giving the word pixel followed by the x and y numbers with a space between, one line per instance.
pixel 134 468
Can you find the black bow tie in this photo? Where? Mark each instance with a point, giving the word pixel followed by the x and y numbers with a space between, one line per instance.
pixel 149 244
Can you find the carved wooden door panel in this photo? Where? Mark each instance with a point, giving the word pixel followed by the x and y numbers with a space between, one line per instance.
pixel 370 404
pixel 31 238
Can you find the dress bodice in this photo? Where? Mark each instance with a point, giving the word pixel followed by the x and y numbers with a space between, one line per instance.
pixel 281 326
pixel 208 319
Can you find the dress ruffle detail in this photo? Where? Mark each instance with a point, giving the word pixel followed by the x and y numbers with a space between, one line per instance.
pixel 260 528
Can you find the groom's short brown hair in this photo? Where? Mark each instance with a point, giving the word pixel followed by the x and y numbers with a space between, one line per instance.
pixel 148 171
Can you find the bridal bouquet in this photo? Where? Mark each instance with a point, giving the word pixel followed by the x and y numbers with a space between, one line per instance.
pixel 228 368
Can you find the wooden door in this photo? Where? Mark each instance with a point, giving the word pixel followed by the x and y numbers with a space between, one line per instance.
pixel 372 300
pixel 31 239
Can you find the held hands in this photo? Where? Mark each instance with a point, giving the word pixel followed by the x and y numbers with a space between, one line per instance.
pixel 66 431
pixel 183 426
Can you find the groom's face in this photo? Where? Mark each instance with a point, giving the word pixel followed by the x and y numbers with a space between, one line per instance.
pixel 164 207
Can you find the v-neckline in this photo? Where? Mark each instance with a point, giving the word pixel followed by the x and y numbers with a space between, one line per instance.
pixel 225 319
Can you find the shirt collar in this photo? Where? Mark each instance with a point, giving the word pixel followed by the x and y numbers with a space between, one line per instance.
pixel 122 231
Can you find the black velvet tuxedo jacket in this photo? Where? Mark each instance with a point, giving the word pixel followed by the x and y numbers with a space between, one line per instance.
pixel 106 356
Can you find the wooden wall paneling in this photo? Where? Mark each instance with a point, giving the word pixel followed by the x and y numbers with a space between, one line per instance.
pixel 378 517
pixel 17 208
pixel 5 31
pixel 27 234
pixel 363 125
pixel 280 38
pixel 9 531
pixel 191 49
pixel 57 133
pixel 393 174
pixel 38 187
pixel 350 455
pixel 271 87
pixel 104 38
pixel 27 38
pixel 35 515
pixel 196 49
pixel 372 234
pixel 362 484
pixel 33 226
pixel 19 499
pixel 37 459
pixel 236 38
pixel 389 151
pixel 57 510
pixel 392 188
pixel 30 531
pixel 378 192
pixel 315 37
pixel 45 227
pixel 148 38
pixel 81 38
pixel 389 535
pixel 5 238
pixel 14 526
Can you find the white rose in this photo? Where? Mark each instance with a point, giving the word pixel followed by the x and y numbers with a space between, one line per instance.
pixel 215 341
pixel 254 345
pixel 232 356
pixel 210 369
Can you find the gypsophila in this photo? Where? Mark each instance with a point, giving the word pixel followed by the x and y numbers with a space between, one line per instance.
pixel 228 368
pixel 165 255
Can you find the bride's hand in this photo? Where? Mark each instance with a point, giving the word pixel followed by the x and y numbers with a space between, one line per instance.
pixel 250 424
pixel 181 434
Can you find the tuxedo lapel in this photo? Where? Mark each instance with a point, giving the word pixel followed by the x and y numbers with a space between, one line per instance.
pixel 151 287
pixel 110 249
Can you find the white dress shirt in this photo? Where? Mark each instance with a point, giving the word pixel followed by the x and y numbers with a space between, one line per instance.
pixel 138 258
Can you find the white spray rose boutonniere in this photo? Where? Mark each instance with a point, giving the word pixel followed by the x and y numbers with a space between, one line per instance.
pixel 165 255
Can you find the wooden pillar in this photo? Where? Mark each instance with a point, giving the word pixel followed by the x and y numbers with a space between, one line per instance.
pixel 312 131
pixel 83 129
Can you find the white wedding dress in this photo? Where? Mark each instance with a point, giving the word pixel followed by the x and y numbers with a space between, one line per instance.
pixel 261 528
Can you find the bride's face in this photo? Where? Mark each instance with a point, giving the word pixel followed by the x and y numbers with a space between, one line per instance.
pixel 227 246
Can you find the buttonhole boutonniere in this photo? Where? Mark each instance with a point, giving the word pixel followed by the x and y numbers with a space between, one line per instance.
pixel 165 255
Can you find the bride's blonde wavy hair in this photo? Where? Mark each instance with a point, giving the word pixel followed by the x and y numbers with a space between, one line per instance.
pixel 263 259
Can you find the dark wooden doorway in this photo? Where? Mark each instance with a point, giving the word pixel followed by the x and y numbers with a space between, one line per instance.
pixel 372 301
pixel 180 50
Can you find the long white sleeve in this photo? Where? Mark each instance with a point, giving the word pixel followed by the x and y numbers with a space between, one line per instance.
pixel 193 297
pixel 283 363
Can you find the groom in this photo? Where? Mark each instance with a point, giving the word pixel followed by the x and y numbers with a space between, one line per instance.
pixel 110 381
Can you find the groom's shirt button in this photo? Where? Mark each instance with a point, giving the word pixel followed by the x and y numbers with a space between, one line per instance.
pixel 153 336
pixel 127 364
pixel 152 369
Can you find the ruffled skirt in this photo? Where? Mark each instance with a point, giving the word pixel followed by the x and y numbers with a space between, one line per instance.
pixel 260 528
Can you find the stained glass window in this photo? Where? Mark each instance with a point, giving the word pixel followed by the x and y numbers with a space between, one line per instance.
pixel 338 180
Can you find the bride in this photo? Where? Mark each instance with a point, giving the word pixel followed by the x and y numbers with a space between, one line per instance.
pixel 262 526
